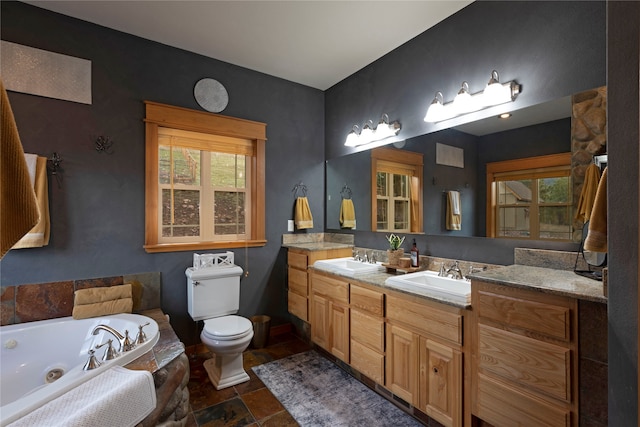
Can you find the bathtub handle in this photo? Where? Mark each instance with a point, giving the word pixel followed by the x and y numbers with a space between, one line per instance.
pixel 92 363
pixel 141 337
pixel 110 353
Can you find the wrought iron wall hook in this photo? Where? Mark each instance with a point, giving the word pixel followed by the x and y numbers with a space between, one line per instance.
pixel 54 166
pixel 104 144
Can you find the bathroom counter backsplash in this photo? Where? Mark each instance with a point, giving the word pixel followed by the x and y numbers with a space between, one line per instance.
pixel 166 349
pixel 317 241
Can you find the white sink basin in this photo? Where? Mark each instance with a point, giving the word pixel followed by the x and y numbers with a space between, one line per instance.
pixel 348 266
pixel 430 284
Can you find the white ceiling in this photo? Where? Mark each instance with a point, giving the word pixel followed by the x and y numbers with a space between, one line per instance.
pixel 314 43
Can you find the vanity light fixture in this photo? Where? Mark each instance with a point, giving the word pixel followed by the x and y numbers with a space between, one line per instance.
pixel 495 93
pixel 368 134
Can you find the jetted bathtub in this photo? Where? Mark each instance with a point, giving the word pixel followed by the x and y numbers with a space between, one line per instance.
pixel 43 360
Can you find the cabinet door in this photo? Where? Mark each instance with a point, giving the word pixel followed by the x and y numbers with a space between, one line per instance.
pixel 320 320
pixel 441 382
pixel 339 331
pixel 402 363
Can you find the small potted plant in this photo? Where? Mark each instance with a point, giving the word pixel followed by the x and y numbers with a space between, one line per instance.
pixel 395 252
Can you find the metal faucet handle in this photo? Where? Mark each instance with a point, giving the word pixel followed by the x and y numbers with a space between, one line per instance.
pixel 110 353
pixel 127 344
pixel 92 363
pixel 141 337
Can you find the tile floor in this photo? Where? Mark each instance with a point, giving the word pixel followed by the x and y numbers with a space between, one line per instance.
pixel 246 404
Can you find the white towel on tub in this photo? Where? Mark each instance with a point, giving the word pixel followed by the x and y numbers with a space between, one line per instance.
pixel 117 397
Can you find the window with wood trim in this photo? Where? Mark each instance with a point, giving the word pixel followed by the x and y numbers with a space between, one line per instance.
pixel 530 198
pixel 396 191
pixel 204 180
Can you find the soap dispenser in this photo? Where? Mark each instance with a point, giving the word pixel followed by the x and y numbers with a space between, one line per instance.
pixel 415 255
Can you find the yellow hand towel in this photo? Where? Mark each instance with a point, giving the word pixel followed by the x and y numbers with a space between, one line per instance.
pixel 18 206
pixel 596 240
pixel 38 236
pixel 304 219
pixel 588 193
pixel 95 302
pixel 347 214
pixel 454 220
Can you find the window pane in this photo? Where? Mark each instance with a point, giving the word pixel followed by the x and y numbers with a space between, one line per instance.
pixel 554 190
pixel 514 192
pixel 186 166
pixel 229 212
pixel 401 215
pixel 400 185
pixel 185 220
pixel 513 222
pixel 164 164
pixel 381 181
pixel 228 170
pixel 382 216
pixel 555 222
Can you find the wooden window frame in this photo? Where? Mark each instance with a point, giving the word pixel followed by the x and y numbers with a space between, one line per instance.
pixel 408 160
pixel 171 117
pixel 515 166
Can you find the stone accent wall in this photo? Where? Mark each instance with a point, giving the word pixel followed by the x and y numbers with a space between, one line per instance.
pixel 588 138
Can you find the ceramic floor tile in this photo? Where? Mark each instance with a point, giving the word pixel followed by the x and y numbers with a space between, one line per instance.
pixel 230 413
pixel 262 403
pixel 281 419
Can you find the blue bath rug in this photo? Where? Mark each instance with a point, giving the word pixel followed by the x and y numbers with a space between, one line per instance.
pixel 318 393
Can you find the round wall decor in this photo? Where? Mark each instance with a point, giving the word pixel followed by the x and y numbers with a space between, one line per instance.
pixel 211 95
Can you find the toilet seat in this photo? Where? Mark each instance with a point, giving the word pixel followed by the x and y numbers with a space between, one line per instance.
pixel 227 328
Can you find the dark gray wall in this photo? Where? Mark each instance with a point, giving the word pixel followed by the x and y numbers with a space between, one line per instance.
pixel 623 189
pixel 97 211
pixel 553 49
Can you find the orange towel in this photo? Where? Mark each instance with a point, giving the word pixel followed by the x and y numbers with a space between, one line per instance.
pixel 596 240
pixel 304 219
pixel 588 193
pixel 454 211
pixel 18 206
pixel 347 214
pixel 38 236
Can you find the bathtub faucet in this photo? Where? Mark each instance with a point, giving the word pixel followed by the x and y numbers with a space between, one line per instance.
pixel 125 342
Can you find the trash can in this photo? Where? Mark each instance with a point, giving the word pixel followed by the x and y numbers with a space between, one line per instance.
pixel 261 325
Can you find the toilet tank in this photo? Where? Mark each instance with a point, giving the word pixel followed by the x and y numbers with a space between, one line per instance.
pixel 213 292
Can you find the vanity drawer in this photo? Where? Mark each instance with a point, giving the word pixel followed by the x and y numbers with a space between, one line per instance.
pixel 297 260
pixel 540 317
pixel 425 317
pixel 367 300
pixel 298 281
pixel 539 366
pixel 367 330
pixel 298 306
pixel 329 287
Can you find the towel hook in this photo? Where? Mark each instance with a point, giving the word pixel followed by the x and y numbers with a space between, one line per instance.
pixel 299 187
pixel 346 192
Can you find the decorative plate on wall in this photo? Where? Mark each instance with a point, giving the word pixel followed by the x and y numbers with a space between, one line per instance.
pixel 211 95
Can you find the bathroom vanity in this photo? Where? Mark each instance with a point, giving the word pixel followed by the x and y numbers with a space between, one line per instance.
pixel 509 357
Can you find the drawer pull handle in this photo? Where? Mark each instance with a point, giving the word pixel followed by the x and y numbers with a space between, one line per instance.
pixel 435 370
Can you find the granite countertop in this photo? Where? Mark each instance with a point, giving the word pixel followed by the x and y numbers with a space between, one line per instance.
pixel 316 246
pixel 547 280
pixel 164 351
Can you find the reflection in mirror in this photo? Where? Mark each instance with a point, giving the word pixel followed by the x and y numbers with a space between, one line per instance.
pixel 529 132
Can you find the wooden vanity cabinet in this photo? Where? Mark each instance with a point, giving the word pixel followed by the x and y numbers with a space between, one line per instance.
pixel 367 331
pixel 329 314
pixel 524 365
pixel 424 363
pixel 298 261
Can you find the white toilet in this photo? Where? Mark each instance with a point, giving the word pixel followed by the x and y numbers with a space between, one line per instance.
pixel 213 295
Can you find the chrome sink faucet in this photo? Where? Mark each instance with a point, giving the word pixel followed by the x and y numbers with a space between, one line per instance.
pixel 454 271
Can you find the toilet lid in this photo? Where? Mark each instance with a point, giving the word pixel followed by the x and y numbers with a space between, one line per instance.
pixel 227 327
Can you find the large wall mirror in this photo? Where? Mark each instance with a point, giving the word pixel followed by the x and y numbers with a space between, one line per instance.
pixel 535 131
